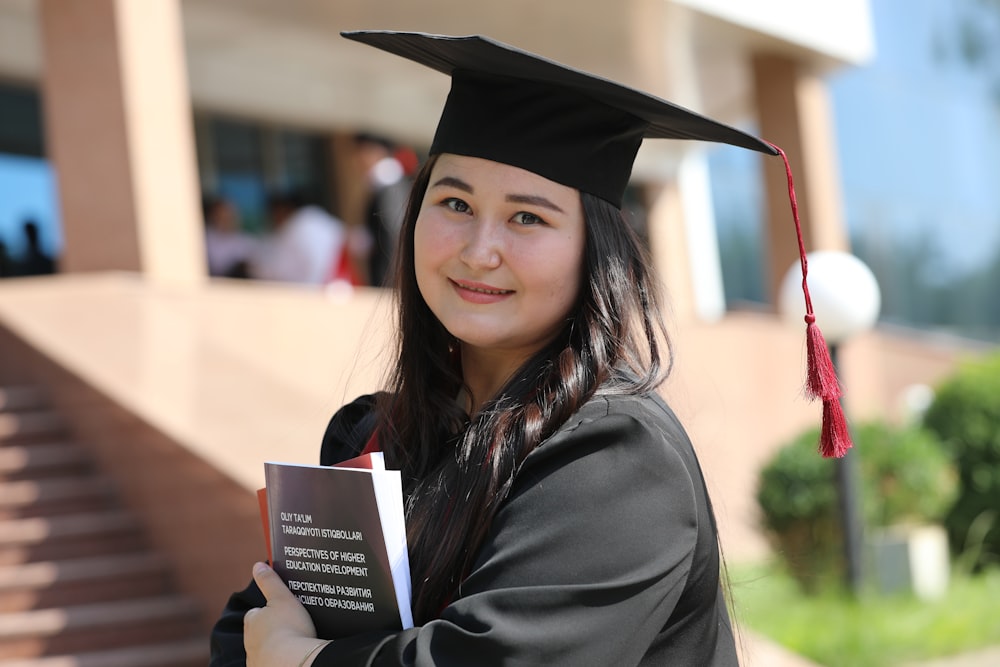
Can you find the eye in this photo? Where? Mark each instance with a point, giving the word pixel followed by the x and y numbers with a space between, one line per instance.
pixel 527 219
pixel 456 204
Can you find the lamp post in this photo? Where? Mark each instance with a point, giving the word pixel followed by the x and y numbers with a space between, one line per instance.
pixel 846 302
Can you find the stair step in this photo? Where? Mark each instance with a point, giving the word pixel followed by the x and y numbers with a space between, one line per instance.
pixel 78 586
pixel 24 397
pixel 43 497
pixel 68 536
pixel 106 625
pixel 187 653
pixel 51 622
pixel 39 529
pixel 31 425
pixel 48 460
pixel 13 494
pixel 78 581
pixel 44 574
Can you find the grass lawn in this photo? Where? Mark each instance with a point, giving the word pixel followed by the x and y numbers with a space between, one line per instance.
pixel 836 630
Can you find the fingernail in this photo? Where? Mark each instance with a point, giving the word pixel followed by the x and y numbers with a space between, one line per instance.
pixel 259 568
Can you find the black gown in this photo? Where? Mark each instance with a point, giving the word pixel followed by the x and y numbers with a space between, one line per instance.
pixel 605 553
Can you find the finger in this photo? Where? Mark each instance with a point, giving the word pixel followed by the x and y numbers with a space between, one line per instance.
pixel 269 582
pixel 248 619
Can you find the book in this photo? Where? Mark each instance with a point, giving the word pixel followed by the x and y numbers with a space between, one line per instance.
pixel 337 538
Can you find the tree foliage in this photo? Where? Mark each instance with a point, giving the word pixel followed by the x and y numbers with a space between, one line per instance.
pixel 965 414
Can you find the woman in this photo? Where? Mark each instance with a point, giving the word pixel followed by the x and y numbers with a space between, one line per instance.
pixel 556 511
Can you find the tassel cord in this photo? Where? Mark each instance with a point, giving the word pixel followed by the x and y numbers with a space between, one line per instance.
pixel 821 374
pixel 810 316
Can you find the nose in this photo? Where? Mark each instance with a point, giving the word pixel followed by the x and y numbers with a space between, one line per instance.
pixel 482 246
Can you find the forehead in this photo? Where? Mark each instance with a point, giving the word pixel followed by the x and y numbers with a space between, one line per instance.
pixel 483 174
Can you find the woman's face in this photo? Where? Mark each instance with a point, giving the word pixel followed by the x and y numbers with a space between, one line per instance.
pixel 498 254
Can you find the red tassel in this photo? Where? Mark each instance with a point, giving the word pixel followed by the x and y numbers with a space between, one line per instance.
pixel 821 376
pixel 836 438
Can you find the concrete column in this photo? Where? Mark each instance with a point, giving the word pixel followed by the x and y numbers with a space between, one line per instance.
pixel 668 242
pixel 794 112
pixel 119 130
pixel 709 294
pixel 682 219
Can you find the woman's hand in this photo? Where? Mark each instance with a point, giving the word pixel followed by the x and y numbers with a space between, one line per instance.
pixel 280 634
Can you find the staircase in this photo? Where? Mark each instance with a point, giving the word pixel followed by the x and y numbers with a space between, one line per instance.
pixel 79 586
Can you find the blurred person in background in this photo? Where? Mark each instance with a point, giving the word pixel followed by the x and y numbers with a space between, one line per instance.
pixel 6 266
pixel 228 249
pixel 35 262
pixel 306 244
pixel 389 186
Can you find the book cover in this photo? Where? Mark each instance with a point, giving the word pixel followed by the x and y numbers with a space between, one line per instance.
pixel 337 537
pixel 373 461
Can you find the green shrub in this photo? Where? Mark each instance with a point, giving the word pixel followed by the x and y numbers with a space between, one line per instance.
pixel 906 477
pixel 798 501
pixel 965 414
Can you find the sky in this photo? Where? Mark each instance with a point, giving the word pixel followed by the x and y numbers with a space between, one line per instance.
pixel 918 132
pixel 28 190
pixel 918 139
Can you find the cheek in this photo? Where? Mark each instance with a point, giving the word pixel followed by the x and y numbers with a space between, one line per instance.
pixel 566 292
pixel 567 261
pixel 424 246
pixel 430 235
pixel 421 260
pixel 432 250
pixel 560 283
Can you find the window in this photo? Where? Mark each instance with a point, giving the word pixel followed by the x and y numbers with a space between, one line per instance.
pixel 244 161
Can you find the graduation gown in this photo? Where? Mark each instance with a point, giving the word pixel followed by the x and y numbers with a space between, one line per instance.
pixel 605 553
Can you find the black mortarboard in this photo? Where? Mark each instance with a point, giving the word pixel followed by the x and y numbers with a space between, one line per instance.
pixel 511 106
pixel 517 108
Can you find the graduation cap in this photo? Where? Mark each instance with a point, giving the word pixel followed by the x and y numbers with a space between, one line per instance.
pixel 581 130
pixel 514 107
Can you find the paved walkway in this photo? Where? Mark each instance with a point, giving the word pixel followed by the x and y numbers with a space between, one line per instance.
pixel 759 651
pixel 989 657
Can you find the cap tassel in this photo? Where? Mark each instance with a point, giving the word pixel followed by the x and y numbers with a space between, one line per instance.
pixel 821 379
pixel 835 439
pixel 821 375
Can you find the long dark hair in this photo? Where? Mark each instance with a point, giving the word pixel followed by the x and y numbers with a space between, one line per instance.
pixel 456 470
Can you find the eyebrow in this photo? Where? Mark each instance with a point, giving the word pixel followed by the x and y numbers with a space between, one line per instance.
pixel 534 200
pixel 451 181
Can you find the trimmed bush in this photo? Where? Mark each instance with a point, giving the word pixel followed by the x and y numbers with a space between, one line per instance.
pixel 906 477
pixel 965 415
pixel 798 501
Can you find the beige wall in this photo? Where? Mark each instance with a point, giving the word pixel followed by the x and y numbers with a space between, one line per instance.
pixel 738 389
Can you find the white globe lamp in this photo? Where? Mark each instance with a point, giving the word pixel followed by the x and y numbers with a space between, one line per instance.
pixel 845 295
